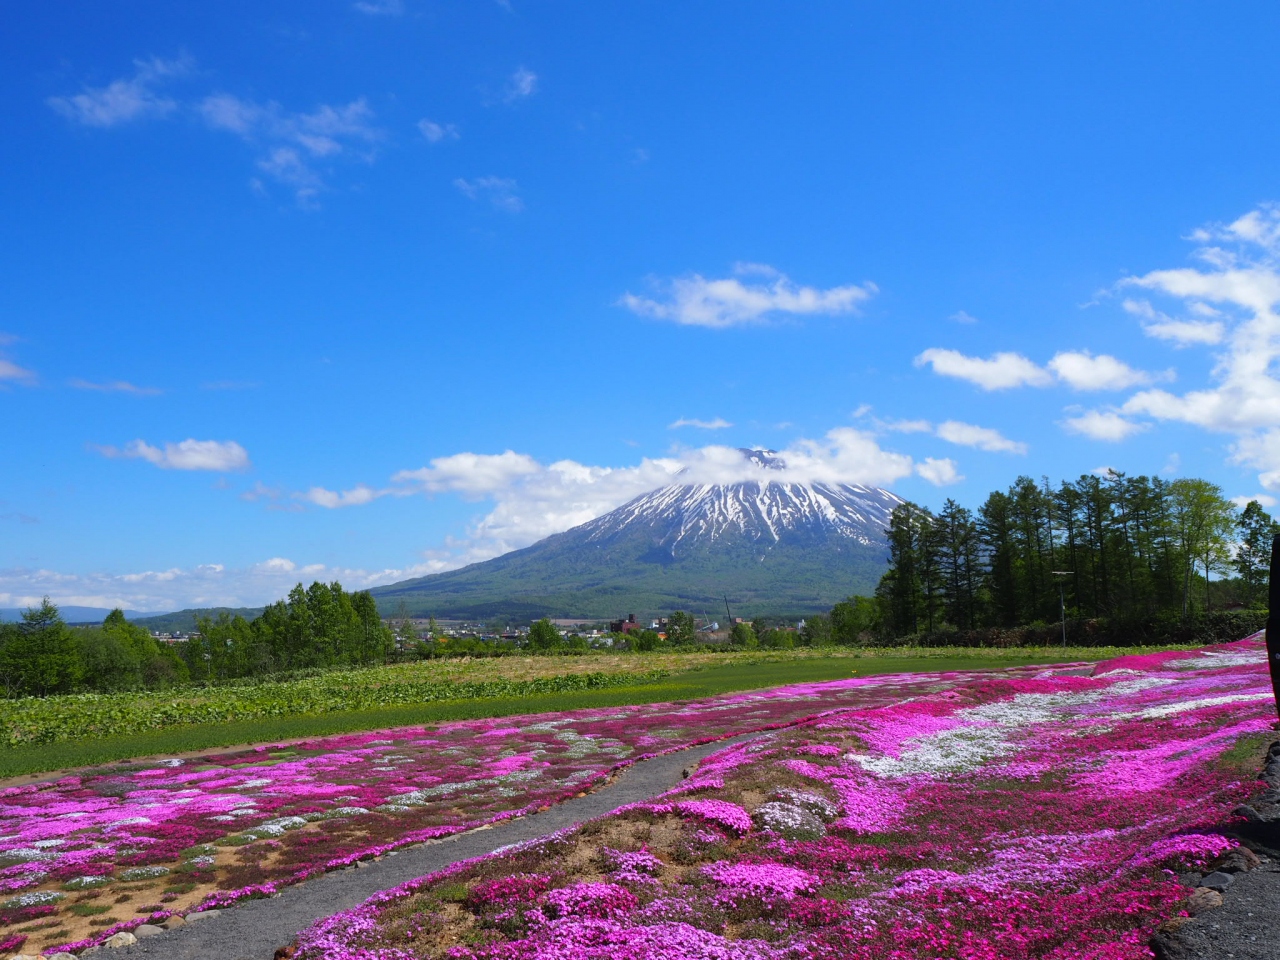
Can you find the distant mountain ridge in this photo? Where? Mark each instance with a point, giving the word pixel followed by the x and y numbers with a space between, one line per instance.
pixel 770 546
pixel 70 614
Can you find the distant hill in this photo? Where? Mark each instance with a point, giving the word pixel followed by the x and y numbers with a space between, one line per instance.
pixel 184 621
pixel 70 614
pixel 771 547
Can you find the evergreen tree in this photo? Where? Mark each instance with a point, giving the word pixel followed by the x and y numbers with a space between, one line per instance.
pixel 1253 555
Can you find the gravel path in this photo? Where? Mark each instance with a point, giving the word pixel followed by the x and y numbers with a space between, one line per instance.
pixel 1245 927
pixel 254 929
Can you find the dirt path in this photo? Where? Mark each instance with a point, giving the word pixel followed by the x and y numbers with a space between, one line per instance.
pixel 254 929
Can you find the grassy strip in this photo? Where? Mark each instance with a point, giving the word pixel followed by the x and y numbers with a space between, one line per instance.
pixel 694 684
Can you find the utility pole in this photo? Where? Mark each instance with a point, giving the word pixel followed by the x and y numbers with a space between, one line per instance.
pixel 1061 576
pixel 1273 624
pixel 728 617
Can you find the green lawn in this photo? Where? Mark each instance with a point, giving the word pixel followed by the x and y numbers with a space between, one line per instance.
pixel 693 684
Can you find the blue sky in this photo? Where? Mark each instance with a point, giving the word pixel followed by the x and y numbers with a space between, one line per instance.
pixel 370 290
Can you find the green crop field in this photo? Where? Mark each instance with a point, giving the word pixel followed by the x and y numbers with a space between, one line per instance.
pixel 58 733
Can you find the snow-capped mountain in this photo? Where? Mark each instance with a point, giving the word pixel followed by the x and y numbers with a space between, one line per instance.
pixel 773 545
pixel 683 516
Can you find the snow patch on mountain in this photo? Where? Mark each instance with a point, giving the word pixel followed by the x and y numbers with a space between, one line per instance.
pixel 765 511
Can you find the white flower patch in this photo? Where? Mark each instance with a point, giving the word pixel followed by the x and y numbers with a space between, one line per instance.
pixel 143 873
pixel 126 822
pixel 27 855
pixel 39 898
pixel 1221 661
pixel 251 784
pixel 1169 709
pixel 52 842
pixel 86 883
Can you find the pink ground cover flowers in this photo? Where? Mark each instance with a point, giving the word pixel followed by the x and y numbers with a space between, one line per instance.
pixel 208 831
pixel 1038 815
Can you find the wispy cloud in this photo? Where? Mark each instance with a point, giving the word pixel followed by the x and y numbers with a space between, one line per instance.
pixel 126 99
pixel 957 432
pixel 961 316
pixel 719 423
pixel 204 585
pixel 12 373
pixel 981 438
pixel 116 386
pixel 729 302
pixel 523 83
pixel 1181 333
pixel 221 456
pixel 1002 371
pixel 1078 369
pixel 380 8
pixel 1106 425
pixel 436 132
pixel 500 191
pixel 294 144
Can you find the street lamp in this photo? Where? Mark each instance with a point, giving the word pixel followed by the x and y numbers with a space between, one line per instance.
pixel 1062 600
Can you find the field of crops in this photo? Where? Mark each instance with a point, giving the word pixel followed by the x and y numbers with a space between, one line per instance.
pixel 64 719
pixel 1045 815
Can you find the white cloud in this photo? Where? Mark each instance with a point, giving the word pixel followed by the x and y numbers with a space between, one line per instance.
pixel 906 426
pixel 719 423
pixel 205 585
pixel 126 99
pixel 941 473
pixel 962 316
pixel 983 438
pixel 473 474
pixel 1182 333
pixel 292 144
pixel 1264 500
pixel 1078 369
pixel 116 386
pixel 11 371
pixel 222 456
pixel 1081 370
pixel 532 500
pixel 355 497
pixel 523 83
pixel 501 192
pixel 1236 289
pixel 380 8
pixel 435 132
pixel 1102 425
pixel 697 301
pixel 1002 371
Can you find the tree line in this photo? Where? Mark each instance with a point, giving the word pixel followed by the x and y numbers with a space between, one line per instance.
pixel 1115 547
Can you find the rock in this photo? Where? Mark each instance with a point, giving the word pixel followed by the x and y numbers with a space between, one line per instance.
pixel 147 930
pixel 121 940
pixel 202 915
pixel 1239 860
pixel 89 951
pixel 173 923
pixel 1218 881
pixel 1202 900
pixel 284 953
pixel 1246 811
pixel 60 955
pixel 1191 879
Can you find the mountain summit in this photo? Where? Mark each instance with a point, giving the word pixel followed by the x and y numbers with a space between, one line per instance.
pixel 770 545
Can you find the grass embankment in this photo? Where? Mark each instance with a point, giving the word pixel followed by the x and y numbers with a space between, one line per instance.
pixel 59 733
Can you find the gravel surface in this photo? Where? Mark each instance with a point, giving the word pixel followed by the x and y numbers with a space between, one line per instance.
pixel 1245 927
pixel 254 929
